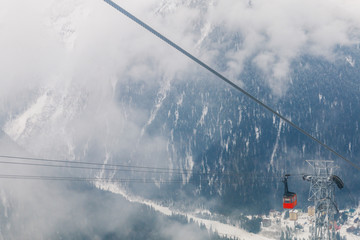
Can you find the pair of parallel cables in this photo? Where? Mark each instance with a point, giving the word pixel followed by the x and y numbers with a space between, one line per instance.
pixel 149 174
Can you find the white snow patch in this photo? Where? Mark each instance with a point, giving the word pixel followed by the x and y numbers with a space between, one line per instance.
pixel 247 145
pixel 180 100
pixel 176 116
pixel 162 94
pixel 350 60
pixel 19 125
pixel 203 212
pixel 205 30
pixel 114 188
pixel 47 119
pixel 303 148
pixel 276 144
pixel 203 115
pixel 257 133
pixel 320 97
pixel 189 164
pixel 240 116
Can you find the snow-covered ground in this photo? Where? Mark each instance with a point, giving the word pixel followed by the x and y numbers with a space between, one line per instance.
pixel 299 229
pixel 352 222
pixel 302 226
pixel 278 224
pixel 221 228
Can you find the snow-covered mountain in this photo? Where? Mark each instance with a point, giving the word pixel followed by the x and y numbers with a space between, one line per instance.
pixel 93 86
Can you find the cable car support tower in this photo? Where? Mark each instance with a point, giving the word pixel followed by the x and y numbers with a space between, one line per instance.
pixel 322 194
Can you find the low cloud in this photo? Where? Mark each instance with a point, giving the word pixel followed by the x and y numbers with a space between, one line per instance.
pixel 275 33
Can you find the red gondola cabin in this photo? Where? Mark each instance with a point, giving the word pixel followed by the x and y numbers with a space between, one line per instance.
pixel 289 198
pixel 289 201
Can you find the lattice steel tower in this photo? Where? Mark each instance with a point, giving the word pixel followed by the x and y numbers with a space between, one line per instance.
pixel 322 193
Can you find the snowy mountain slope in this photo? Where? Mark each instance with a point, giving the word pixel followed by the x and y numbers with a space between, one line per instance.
pixel 115 94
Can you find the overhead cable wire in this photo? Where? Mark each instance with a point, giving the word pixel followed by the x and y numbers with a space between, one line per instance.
pixel 61 178
pixel 86 163
pixel 112 167
pixel 105 168
pixel 94 179
pixel 193 174
pixel 226 80
pixel 86 167
pixel 99 164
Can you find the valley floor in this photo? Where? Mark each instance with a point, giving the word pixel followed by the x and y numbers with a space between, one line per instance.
pixel 273 226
